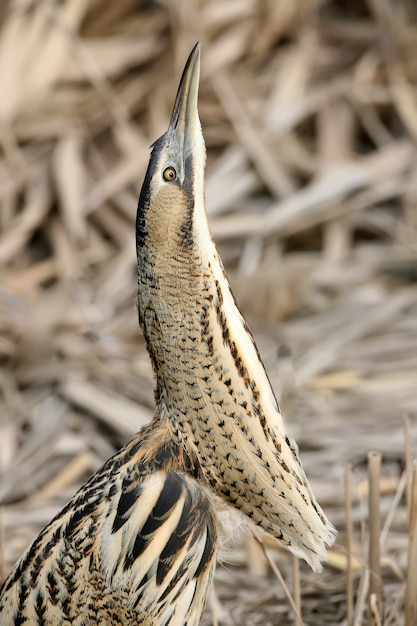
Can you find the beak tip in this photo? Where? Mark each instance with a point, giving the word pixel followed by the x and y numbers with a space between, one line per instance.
pixel 185 106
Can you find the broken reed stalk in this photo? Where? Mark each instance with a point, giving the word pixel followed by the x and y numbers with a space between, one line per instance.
pixel 361 598
pixel 278 575
pixel 408 458
pixel 411 582
pixel 374 594
pixel 349 533
pixel 2 556
pixel 392 509
pixel 257 563
pixel 374 610
pixel 296 590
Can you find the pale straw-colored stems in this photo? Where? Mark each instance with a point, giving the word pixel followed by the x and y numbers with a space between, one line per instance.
pixel 374 595
pixel 349 543
pixel 296 608
pixel 411 583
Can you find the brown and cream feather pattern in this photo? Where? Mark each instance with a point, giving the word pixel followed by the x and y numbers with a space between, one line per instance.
pixel 137 544
pixel 138 536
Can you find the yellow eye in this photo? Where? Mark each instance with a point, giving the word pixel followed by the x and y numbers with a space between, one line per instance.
pixel 169 174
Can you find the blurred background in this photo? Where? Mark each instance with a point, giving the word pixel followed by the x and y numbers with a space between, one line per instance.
pixel 309 112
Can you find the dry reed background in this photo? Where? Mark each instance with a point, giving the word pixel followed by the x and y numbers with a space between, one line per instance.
pixel 309 110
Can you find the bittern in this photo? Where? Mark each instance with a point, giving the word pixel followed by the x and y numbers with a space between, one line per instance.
pixel 137 544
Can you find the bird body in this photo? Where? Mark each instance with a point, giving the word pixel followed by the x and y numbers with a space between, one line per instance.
pixel 137 543
pixel 140 534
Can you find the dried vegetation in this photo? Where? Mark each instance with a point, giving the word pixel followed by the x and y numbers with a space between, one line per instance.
pixel 309 109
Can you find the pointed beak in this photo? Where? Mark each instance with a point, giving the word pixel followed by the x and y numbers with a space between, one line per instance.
pixel 184 127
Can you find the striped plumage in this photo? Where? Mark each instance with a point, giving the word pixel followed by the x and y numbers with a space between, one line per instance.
pixel 138 535
pixel 137 543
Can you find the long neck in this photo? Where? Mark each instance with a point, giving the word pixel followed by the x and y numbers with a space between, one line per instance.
pixel 213 390
pixel 211 384
pixel 204 357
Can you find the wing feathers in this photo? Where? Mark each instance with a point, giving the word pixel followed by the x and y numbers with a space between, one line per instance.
pixel 167 542
pixel 124 552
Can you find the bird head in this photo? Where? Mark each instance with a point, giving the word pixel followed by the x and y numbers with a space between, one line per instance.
pixel 173 188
